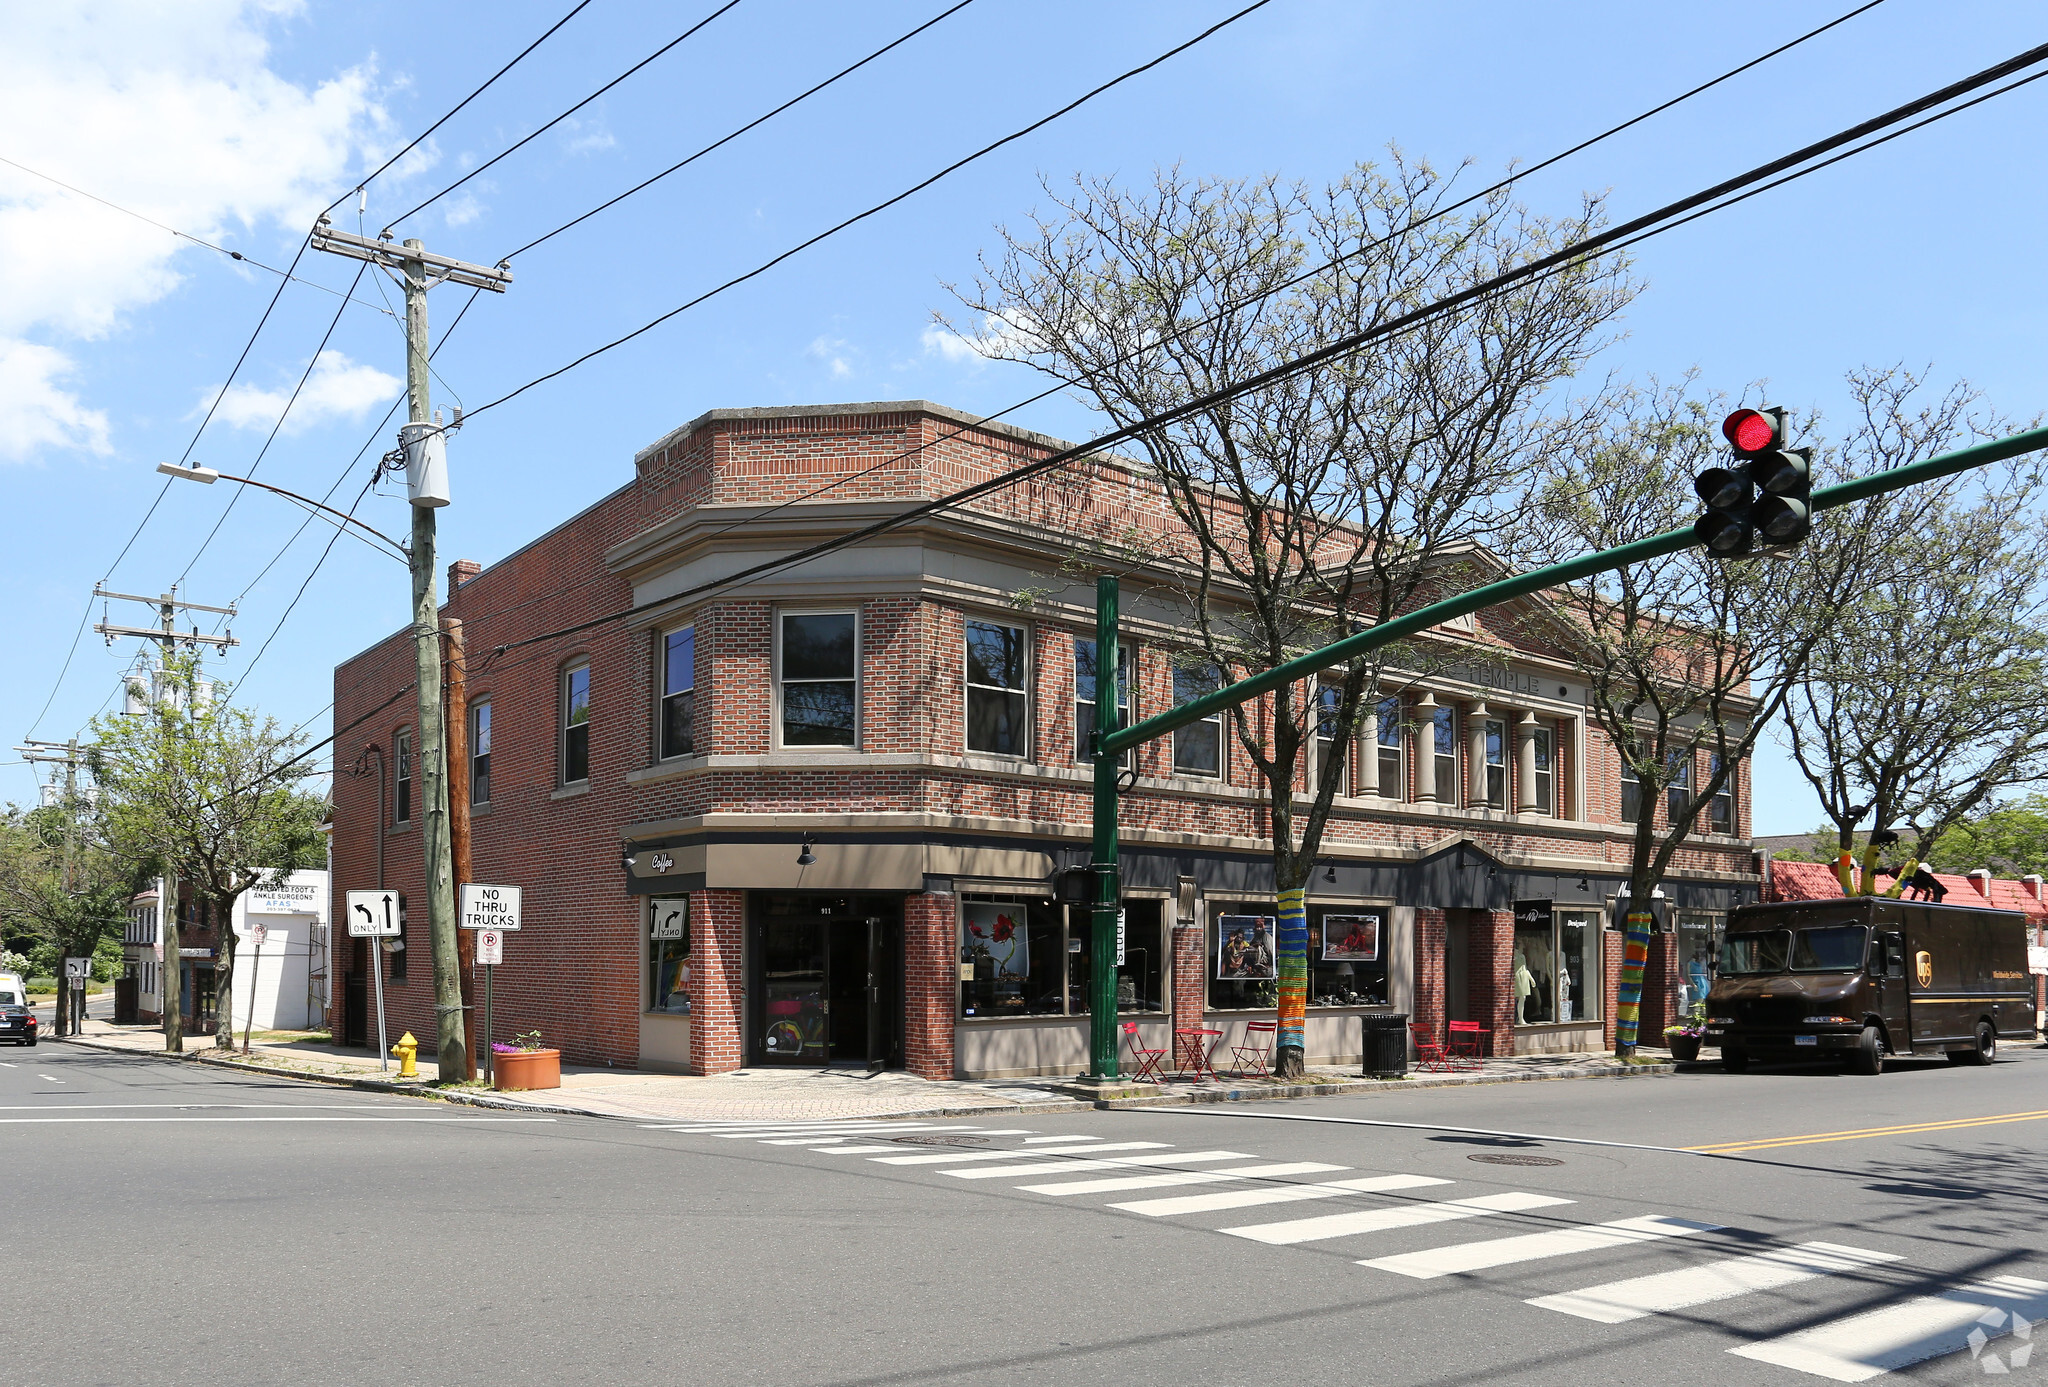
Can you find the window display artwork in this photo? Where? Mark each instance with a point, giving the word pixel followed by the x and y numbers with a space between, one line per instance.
pixel 995 931
pixel 1351 938
pixel 1244 948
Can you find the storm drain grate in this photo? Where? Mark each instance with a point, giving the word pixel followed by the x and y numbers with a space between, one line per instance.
pixel 941 1141
pixel 1506 1158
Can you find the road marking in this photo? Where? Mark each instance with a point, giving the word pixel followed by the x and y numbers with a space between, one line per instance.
pixel 1730 1148
pixel 1864 1346
pixel 1004 1172
pixel 1617 1302
pixel 211 1107
pixel 1531 1247
pixel 51 1077
pixel 12 1121
pixel 1184 1177
pixel 1242 1199
pixel 1033 1141
pixel 1307 1230
pixel 846 1150
pixel 8 1065
pixel 755 1134
pixel 942 1157
pixel 1212 1110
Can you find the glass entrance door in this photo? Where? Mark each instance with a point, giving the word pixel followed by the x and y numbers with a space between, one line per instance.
pixel 826 980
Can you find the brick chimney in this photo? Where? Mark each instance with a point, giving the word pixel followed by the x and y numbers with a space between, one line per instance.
pixel 461 571
pixel 2031 884
pixel 1981 879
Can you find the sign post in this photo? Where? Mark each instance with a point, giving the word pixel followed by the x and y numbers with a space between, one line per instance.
pixel 491 911
pixel 257 934
pixel 376 915
pixel 76 971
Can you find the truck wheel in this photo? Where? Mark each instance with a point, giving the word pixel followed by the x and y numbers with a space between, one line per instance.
pixel 1868 1057
pixel 1735 1061
pixel 1985 1051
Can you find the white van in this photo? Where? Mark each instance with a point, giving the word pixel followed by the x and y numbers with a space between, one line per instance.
pixel 13 990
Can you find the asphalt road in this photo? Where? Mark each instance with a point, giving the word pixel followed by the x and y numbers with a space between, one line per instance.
pixel 174 1224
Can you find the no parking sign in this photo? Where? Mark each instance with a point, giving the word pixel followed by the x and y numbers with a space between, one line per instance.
pixel 490 946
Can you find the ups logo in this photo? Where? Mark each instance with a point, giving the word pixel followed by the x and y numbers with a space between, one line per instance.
pixel 1923 968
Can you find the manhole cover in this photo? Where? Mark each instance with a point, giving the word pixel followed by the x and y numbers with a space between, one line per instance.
pixel 941 1141
pixel 1506 1158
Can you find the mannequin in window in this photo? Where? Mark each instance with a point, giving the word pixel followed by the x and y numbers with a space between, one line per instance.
pixel 1525 986
pixel 1564 989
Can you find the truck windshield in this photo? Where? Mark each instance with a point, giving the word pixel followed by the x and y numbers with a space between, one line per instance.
pixel 1832 949
pixel 1763 952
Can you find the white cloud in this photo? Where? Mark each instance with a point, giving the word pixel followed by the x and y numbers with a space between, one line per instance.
pixel 338 388
pixel 173 111
pixel 998 338
pixel 585 137
pixel 36 412
pixel 833 351
pixel 463 208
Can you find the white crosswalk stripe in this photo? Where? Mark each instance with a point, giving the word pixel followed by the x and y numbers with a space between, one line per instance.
pixel 1074 1167
pixel 1864 1346
pixel 1285 1194
pixel 1617 1302
pixel 1532 1247
pixel 943 1157
pixel 1184 1177
pixel 1033 1141
pixel 1305 1230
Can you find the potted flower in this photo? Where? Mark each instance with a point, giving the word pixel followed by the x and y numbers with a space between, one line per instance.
pixel 524 1064
pixel 1684 1038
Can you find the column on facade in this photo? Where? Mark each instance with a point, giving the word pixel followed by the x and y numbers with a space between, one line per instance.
pixel 1425 748
pixel 1526 728
pixel 1475 752
pixel 717 982
pixel 1490 988
pixel 931 984
pixel 1190 976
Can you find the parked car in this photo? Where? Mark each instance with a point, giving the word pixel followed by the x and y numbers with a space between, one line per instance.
pixel 18 1025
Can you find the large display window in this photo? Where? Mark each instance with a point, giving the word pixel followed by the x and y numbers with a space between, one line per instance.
pixel 1555 971
pixel 668 954
pixel 1347 956
pixel 1024 956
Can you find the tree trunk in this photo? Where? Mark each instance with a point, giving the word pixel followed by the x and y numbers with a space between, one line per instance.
pixel 58 1024
pixel 1628 1007
pixel 224 977
pixel 1290 956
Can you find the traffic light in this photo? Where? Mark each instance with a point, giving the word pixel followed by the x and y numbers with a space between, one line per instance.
pixel 1763 504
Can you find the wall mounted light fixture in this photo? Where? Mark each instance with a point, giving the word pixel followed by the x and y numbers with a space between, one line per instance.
pixel 806 857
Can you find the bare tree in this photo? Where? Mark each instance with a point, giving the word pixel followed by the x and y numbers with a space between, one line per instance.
pixel 1928 692
pixel 1336 498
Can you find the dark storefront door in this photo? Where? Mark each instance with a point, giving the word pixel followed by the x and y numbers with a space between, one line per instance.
pixel 826 980
pixel 1457 967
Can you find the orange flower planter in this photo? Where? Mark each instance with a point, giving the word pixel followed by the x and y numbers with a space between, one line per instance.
pixel 522 1069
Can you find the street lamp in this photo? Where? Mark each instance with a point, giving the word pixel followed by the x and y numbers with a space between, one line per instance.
pixel 209 476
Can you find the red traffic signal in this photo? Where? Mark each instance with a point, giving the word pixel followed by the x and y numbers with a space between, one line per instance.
pixel 1754 430
pixel 1763 504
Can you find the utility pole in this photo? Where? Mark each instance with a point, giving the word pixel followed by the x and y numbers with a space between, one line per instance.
pixel 171 977
pixel 426 482
pixel 67 1021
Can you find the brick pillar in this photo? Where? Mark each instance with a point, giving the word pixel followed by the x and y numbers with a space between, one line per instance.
pixel 1492 984
pixel 1190 977
pixel 1660 976
pixel 1611 947
pixel 931 983
pixel 718 922
pixel 1430 992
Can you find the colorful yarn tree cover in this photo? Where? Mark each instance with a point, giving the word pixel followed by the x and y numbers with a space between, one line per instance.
pixel 1628 1010
pixel 1291 959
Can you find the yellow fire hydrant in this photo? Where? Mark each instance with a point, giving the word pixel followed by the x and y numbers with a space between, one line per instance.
pixel 407 1049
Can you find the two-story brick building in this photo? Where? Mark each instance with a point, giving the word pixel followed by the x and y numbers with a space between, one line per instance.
pixel 815 816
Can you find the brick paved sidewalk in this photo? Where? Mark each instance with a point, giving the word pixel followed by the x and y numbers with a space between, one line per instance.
pixel 786 1095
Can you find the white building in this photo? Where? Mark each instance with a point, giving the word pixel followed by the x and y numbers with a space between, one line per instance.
pixel 280 954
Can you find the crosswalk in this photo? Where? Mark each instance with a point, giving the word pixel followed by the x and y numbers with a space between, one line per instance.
pixel 1990 1318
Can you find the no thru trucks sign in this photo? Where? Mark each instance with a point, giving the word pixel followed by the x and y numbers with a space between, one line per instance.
pixel 488 907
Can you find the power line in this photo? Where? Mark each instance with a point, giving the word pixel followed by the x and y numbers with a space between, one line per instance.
pixel 1568 258
pixel 758 120
pixel 878 207
pixel 562 117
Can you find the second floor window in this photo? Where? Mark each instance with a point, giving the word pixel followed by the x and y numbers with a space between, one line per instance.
pixel 1545 788
pixel 1084 696
pixel 1329 702
pixel 1393 775
pixel 1198 747
pixel 1631 793
pixel 820 694
pixel 575 724
pixel 1721 808
pixel 480 753
pixel 1678 790
pixel 1444 724
pixel 1496 764
pixel 401 795
pixel 679 693
pixel 998 711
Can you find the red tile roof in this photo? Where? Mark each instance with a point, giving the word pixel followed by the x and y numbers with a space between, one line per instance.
pixel 1815 881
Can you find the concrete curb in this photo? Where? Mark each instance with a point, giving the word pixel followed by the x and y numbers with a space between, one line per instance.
pixel 1356 1088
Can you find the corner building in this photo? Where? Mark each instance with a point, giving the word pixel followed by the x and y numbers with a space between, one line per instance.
pixel 815 817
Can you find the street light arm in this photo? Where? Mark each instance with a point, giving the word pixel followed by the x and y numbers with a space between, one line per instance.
pixel 209 476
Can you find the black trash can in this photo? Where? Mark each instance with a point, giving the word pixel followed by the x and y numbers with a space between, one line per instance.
pixel 1385 1044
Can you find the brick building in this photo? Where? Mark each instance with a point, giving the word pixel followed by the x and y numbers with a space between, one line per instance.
pixel 814 817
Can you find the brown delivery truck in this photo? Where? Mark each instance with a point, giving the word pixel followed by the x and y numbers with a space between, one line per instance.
pixel 1861 978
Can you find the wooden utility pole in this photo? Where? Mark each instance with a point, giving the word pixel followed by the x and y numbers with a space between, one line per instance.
pixel 417 271
pixel 458 821
pixel 171 976
pixel 65 754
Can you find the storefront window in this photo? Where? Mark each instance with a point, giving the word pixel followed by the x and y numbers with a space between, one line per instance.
pixel 1699 934
pixel 1023 957
pixel 668 954
pixel 1555 972
pixel 1347 955
pixel 1243 959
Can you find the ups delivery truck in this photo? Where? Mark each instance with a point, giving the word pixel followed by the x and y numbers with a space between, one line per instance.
pixel 1858 979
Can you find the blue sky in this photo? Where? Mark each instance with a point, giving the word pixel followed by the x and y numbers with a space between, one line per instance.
pixel 235 122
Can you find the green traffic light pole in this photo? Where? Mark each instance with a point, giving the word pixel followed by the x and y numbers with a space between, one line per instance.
pixel 1111 742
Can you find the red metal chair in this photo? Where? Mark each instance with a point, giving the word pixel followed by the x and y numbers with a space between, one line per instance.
pixel 1254 1054
pixel 1147 1060
pixel 1429 1052
pixel 1467 1046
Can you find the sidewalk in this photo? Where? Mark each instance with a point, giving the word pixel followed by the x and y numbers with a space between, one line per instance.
pixel 800 1095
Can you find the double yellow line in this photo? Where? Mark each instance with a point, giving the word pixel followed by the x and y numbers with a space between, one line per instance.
pixel 1734 1148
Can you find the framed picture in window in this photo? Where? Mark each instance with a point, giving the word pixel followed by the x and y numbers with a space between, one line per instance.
pixel 1244 948
pixel 1352 938
pixel 996 932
